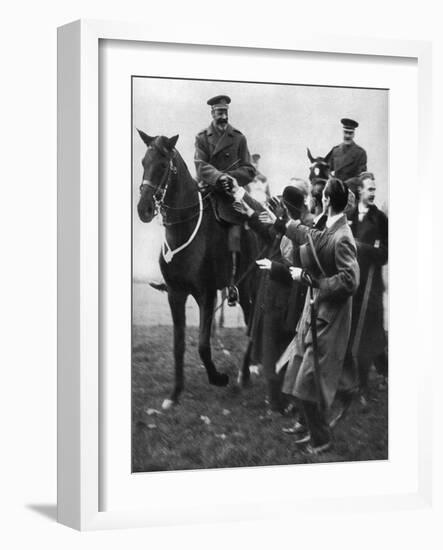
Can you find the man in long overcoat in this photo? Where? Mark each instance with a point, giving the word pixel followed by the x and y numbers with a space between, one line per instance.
pixel 221 153
pixel 370 228
pixel 348 159
pixel 334 269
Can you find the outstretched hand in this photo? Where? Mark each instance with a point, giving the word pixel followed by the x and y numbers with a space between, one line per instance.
pixel 264 263
pixel 265 217
pixel 296 273
pixel 278 208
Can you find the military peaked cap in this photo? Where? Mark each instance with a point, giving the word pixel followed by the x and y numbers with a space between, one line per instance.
pixel 349 124
pixel 219 102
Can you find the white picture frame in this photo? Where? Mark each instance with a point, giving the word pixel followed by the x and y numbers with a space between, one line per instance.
pixel 79 411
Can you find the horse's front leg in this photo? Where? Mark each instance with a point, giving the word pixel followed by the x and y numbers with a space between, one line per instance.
pixel 206 303
pixel 177 301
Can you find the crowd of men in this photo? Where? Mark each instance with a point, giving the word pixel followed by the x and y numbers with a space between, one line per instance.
pixel 318 324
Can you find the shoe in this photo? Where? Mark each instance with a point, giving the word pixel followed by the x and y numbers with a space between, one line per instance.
pixel 233 296
pixel 158 286
pixel 276 408
pixel 291 410
pixel 316 450
pixel 296 429
pixel 304 440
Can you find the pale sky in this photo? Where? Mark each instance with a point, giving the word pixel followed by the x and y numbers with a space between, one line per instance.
pixel 279 122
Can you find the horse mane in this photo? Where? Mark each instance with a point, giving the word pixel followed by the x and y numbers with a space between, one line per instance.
pixel 181 165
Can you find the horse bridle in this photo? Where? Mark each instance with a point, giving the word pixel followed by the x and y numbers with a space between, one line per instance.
pixel 161 189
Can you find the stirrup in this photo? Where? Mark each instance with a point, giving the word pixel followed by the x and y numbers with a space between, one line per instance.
pixel 233 295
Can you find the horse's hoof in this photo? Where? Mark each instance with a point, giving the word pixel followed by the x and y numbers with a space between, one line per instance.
pixel 167 404
pixel 220 379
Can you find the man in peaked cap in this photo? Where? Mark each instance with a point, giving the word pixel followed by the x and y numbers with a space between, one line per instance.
pixel 347 160
pixel 221 156
pixel 221 150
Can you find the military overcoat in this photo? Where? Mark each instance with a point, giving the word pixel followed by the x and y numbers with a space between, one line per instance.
pixel 336 250
pixel 228 153
pixel 347 161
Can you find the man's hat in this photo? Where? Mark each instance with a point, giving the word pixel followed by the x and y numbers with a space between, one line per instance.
pixel 219 102
pixel 293 198
pixel 256 157
pixel 349 124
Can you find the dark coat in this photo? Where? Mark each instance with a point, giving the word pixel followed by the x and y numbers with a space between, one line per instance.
pixel 281 272
pixel 337 253
pixel 278 297
pixel 226 154
pixel 267 328
pixel 373 227
pixel 347 161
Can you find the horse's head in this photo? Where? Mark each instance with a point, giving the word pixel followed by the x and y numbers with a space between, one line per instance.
pixel 158 167
pixel 319 173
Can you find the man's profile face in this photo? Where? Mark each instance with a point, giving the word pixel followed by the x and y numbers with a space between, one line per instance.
pixel 348 136
pixel 325 198
pixel 367 194
pixel 220 117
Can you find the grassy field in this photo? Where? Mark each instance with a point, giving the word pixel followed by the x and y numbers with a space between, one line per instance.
pixel 228 427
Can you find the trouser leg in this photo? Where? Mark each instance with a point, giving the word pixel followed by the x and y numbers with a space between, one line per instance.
pixel 316 423
pixel 381 364
pixel 364 366
pixel 275 341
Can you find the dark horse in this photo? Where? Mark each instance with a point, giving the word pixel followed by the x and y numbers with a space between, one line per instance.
pixel 194 259
pixel 319 173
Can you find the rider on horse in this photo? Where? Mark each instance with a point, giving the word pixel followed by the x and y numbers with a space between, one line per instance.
pixel 347 160
pixel 221 159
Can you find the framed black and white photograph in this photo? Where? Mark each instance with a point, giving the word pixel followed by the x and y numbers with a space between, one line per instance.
pixel 212 274
pixel 233 319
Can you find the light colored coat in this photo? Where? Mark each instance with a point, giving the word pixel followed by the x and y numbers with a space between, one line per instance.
pixel 337 253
